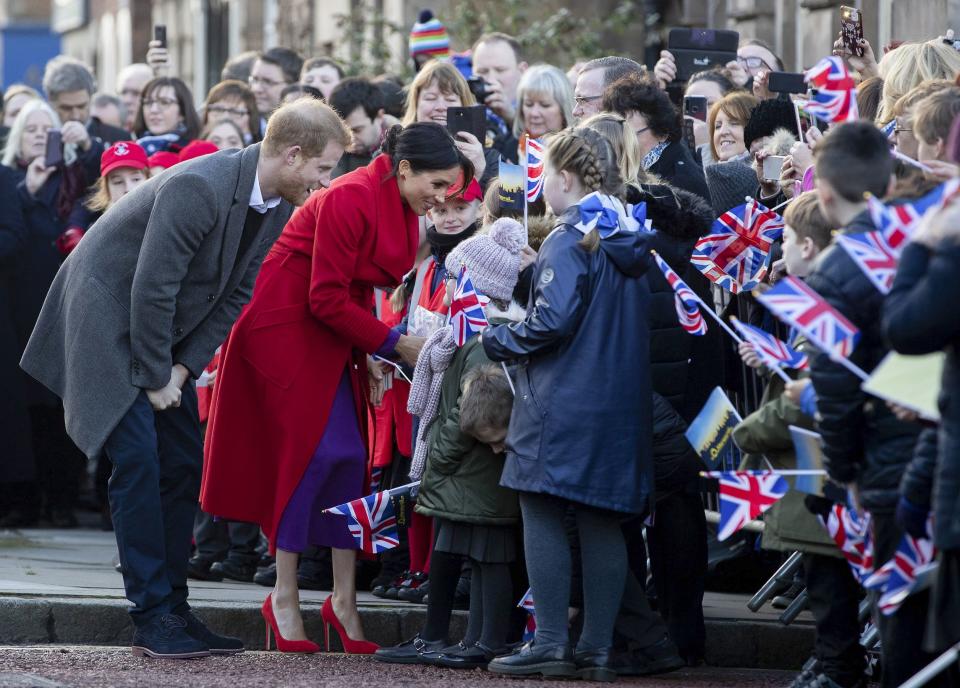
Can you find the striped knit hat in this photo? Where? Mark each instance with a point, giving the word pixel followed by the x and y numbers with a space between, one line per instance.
pixel 429 37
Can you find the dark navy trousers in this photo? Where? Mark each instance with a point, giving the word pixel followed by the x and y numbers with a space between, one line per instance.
pixel 157 459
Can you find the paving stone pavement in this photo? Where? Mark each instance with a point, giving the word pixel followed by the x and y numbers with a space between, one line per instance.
pixel 59 586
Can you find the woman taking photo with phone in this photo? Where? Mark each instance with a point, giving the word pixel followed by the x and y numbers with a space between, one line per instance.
pixel 284 436
pixel 50 179
pixel 438 86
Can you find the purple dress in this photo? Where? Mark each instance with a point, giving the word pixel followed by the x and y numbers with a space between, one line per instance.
pixel 334 476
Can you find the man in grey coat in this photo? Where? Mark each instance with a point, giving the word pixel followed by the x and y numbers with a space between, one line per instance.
pixel 137 311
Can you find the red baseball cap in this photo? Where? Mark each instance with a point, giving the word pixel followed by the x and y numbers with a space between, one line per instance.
pixel 123 154
pixel 164 159
pixel 196 149
pixel 471 193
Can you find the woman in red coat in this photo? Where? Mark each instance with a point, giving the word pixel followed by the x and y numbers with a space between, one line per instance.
pixel 284 440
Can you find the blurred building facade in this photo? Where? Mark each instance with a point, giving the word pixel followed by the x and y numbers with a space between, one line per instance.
pixel 109 34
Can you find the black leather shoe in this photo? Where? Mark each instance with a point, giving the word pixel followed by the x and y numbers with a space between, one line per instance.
pixel 531 659
pixel 234 571
pixel 659 658
pixel 595 665
pixel 414 588
pixel 409 652
pixel 166 637
pixel 266 576
pixel 218 644
pixel 476 657
pixel 201 569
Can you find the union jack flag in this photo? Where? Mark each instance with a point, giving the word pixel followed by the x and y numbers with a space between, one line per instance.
pixel 800 306
pixel 466 310
pixel 376 477
pixel 771 350
pixel 372 522
pixel 526 602
pixel 872 254
pixel 535 153
pixel 903 574
pixel 744 496
pixel 835 97
pixel 688 305
pixel 889 128
pixel 739 242
pixel 715 274
pixel 898 222
pixel 852 535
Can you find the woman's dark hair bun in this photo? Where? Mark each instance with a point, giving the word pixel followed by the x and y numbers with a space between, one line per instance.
pixel 425 16
pixel 390 140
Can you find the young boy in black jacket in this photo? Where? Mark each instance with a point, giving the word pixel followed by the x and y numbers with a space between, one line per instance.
pixel 865 446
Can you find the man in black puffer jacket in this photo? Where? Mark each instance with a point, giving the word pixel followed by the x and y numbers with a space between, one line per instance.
pixel 865 445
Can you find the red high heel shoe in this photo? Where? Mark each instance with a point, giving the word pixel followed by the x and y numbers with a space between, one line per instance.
pixel 284 645
pixel 350 646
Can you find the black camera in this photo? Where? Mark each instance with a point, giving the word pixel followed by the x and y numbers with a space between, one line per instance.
pixel 478 87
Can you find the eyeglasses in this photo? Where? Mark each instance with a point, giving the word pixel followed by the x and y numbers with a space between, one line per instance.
pixel 268 83
pixel 224 110
pixel 164 103
pixel 580 101
pixel 899 130
pixel 753 62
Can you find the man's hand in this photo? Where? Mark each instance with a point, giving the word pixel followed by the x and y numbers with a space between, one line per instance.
pixel 499 102
pixel 409 348
pixel 169 396
pixel 75 132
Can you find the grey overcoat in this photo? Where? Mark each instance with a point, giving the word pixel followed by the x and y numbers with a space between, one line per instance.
pixel 155 281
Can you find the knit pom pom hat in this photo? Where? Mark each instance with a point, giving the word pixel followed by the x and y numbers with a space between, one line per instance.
pixel 492 258
pixel 429 37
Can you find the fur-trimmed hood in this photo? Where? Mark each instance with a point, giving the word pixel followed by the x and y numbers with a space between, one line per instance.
pixel 679 214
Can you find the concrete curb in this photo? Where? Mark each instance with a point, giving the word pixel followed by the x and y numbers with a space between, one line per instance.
pixel 99 621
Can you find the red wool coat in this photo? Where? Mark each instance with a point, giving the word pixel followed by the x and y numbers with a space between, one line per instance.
pixel 310 318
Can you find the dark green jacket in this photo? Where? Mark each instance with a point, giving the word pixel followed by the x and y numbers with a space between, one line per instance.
pixel 788 525
pixel 461 481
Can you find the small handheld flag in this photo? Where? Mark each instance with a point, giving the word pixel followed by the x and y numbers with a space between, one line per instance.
pixel 852 535
pixel 903 574
pixel 466 310
pixel 372 522
pixel 744 496
pixel 533 151
pixel 526 602
pixel 772 351
pixel 800 306
pixel 873 255
pixel 687 303
pixel 835 97
pixel 739 243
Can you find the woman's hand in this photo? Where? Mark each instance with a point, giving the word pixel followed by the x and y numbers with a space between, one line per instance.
pixel 665 70
pixel 790 177
pixel 472 149
pixel 409 348
pixel 941 171
pixel 761 90
pixel 865 66
pixel 158 57
pixel 37 175
pixel 802 156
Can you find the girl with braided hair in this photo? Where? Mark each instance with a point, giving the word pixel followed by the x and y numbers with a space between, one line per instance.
pixel 579 436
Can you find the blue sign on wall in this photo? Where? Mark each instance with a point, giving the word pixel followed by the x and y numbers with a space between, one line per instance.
pixel 25 49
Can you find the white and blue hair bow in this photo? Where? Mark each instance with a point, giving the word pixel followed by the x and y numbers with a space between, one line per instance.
pixel 609 216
